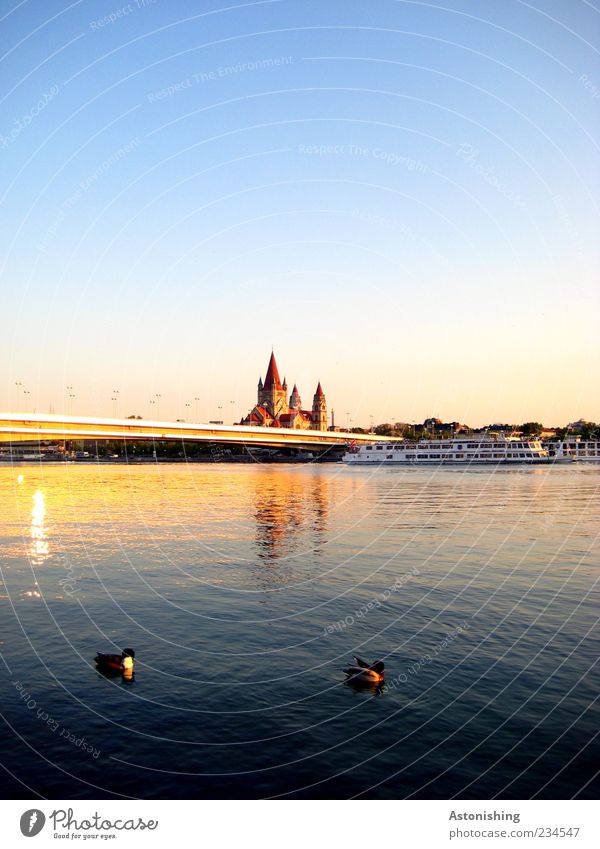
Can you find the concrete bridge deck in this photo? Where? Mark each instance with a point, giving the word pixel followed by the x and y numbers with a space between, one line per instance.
pixel 20 427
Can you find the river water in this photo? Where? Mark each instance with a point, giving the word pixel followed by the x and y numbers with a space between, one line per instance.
pixel 245 589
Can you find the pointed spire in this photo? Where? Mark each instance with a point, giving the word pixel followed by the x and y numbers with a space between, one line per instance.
pixel 295 401
pixel 319 391
pixel 272 375
pixel 260 383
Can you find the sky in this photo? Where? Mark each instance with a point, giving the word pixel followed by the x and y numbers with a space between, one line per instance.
pixel 399 198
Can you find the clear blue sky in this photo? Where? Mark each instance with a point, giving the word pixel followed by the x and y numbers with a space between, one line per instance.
pixel 400 197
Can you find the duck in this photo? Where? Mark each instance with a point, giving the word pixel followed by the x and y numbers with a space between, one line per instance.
pixel 116 662
pixel 365 674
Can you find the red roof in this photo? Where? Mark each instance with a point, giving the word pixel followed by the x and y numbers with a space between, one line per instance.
pixel 259 414
pixel 319 391
pixel 272 375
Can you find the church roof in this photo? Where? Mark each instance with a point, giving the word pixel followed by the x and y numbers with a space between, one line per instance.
pixel 319 391
pixel 259 414
pixel 272 375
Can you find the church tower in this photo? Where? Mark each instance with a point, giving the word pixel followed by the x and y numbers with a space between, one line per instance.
pixel 319 410
pixel 272 394
pixel 295 400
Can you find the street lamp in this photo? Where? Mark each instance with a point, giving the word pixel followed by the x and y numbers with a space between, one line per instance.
pixel 196 413
pixel 158 396
pixel 26 392
pixel 18 384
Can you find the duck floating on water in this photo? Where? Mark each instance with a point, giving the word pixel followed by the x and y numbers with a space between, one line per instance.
pixel 113 663
pixel 365 674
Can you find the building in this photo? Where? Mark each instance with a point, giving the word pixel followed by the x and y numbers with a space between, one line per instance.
pixel 274 408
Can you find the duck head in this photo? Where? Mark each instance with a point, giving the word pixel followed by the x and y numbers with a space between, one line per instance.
pixel 127 657
pixel 379 668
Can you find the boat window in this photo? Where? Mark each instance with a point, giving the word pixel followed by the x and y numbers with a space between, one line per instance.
pixel 389 456
pixel 379 447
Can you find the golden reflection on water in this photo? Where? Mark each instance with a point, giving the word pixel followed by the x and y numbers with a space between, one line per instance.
pixel 211 523
pixel 288 508
pixel 40 547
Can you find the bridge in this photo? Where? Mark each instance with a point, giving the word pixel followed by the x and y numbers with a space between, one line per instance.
pixel 42 427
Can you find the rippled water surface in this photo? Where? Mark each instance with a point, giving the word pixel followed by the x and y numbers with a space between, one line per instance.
pixel 245 589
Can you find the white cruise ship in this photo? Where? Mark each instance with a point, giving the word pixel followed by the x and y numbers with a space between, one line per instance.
pixel 457 451
pixel 579 449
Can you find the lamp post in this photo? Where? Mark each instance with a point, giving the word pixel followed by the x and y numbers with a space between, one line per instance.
pixel 26 393
pixel 18 384
pixel 69 396
pixel 232 411
pixel 116 402
pixel 158 396
pixel 187 406
pixel 196 413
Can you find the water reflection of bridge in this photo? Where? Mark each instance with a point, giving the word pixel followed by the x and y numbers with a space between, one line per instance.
pixel 21 427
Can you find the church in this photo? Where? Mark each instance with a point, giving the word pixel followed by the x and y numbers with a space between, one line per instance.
pixel 273 409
